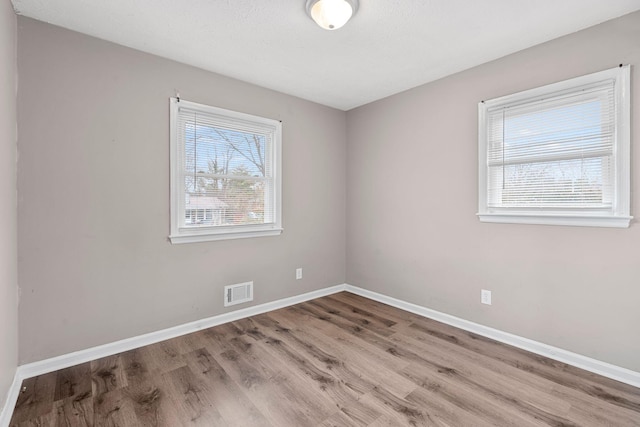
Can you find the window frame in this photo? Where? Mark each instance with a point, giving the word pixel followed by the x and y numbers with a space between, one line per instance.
pixel 619 215
pixel 182 234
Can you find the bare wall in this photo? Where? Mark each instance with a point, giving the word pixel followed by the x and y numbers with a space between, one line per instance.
pixel 8 210
pixel 93 182
pixel 412 232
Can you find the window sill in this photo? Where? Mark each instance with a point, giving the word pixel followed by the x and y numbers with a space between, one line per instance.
pixel 557 219
pixel 228 235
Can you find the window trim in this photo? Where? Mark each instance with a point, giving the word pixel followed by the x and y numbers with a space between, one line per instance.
pixel 619 216
pixel 180 234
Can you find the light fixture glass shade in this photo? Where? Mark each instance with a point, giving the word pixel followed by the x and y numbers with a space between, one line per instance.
pixel 331 14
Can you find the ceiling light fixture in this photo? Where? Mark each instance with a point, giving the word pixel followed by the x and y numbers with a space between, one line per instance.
pixel 331 14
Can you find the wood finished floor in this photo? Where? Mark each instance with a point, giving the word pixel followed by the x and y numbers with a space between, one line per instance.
pixel 340 360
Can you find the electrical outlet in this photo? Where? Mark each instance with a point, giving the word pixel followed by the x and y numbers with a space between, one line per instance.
pixel 298 273
pixel 485 297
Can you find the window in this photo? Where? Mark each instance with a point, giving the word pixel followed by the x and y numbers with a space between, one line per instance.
pixel 558 154
pixel 225 174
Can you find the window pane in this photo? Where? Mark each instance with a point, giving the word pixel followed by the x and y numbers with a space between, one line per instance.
pixel 202 209
pixel 558 154
pixel 226 173
pixel 575 183
pixel 215 150
pixel 224 201
pixel 552 153
pixel 565 131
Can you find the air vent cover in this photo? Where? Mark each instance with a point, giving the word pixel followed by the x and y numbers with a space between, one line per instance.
pixel 239 293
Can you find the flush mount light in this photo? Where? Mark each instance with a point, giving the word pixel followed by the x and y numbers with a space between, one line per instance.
pixel 331 14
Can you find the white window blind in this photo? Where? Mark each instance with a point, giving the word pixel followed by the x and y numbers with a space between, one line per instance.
pixel 557 151
pixel 225 178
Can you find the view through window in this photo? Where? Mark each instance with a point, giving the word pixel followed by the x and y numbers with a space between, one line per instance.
pixel 225 178
pixel 558 154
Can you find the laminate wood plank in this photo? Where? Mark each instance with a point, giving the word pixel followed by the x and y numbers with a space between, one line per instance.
pixel 366 411
pixel 162 357
pixel 381 320
pixel 591 417
pixel 47 420
pixel 474 372
pixel 378 308
pixel 221 339
pixel 323 356
pixel 534 392
pixel 588 410
pixel 447 410
pixel 73 381
pixel 436 410
pixel 359 367
pixel 337 382
pixel 152 404
pixel 544 375
pixel 135 366
pixel 405 411
pixel 617 393
pixel 386 421
pixel 401 351
pixel 373 407
pixel 356 413
pixel 340 419
pixel 114 409
pixel 379 369
pixel 345 332
pixel 379 345
pixel 361 318
pixel 257 379
pixel 75 411
pixel 108 374
pixel 206 338
pixel 287 406
pixel 191 398
pixel 482 369
pixel 226 396
pixel 465 396
pixel 304 373
pixel 36 399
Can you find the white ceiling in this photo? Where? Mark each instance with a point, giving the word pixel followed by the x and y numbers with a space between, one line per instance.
pixel 388 47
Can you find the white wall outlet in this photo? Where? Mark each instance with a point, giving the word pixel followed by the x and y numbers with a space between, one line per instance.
pixel 298 273
pixel 485 297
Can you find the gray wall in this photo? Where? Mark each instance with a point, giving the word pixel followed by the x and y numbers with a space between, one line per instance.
pixel 8 219
pixel 412 197
pixel 93 180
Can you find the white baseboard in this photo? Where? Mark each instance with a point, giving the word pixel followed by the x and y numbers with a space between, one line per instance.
pixel 64 361
pixel 10 403
pixel 588 364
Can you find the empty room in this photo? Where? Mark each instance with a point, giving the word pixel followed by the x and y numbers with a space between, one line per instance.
pixel 319 213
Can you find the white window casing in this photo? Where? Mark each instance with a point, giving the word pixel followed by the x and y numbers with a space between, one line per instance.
pixel 225 174
pixel 558 154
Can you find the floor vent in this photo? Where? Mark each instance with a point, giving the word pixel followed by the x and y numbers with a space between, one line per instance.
pixel 236 294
